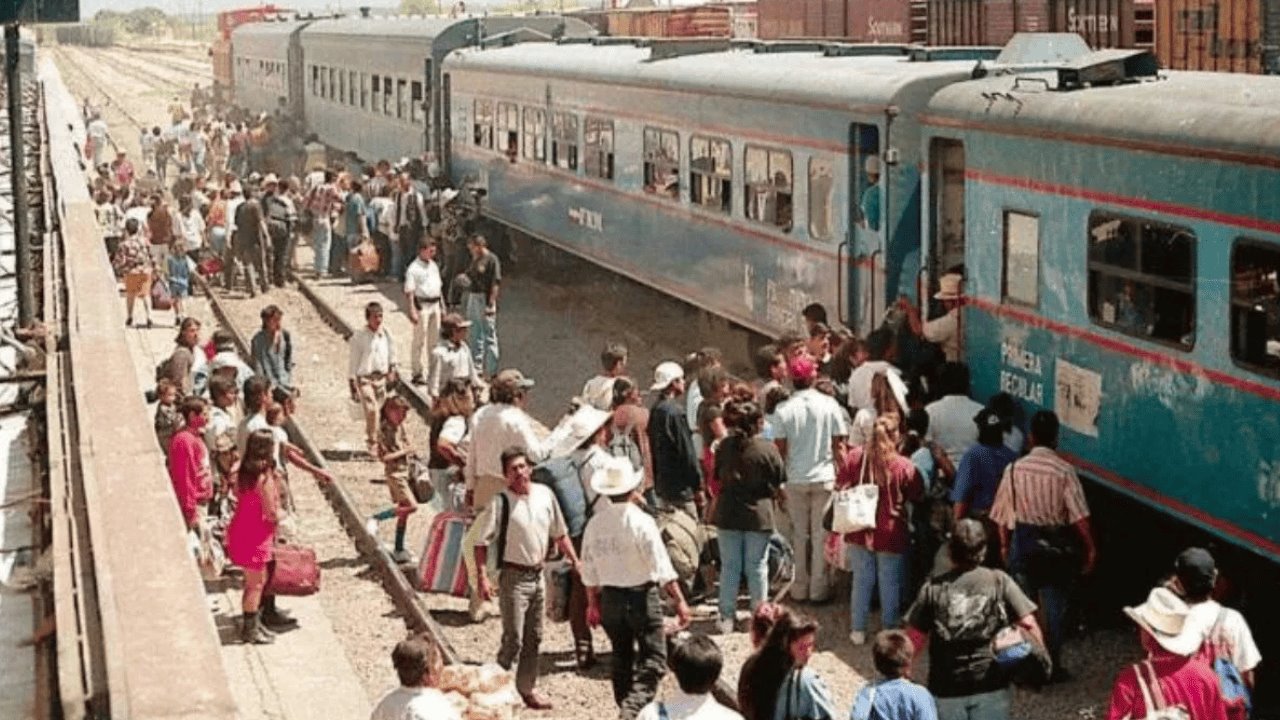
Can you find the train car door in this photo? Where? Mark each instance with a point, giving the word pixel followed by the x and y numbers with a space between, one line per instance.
pixel 867 231
pixel 446 125
pixel 427 108
pixel 946 220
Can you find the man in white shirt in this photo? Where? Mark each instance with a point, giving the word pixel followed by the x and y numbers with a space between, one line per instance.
pixel 451 358
pixel 418 664
pixel 100 136
pixel 811 432
pixel 951 417
pixel 423 290
pixel 1227 635
pixel 372 366
pixel 495 427
pixel 624 563
pixel 878 345
pixel 598 392
pixel 696 663
pixel 522 522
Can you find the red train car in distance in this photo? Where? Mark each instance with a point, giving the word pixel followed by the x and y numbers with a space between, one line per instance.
pixel 220 50
pixel 231 19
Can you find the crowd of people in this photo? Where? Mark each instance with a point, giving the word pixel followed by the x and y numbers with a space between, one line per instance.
pixel 978 532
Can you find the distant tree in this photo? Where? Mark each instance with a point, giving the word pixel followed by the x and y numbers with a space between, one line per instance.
pixel 419 7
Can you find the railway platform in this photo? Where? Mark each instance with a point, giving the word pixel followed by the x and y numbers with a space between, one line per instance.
pixel 305 673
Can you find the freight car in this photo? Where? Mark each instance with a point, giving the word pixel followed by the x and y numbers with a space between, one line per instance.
pixel 87 34
pixel 727 20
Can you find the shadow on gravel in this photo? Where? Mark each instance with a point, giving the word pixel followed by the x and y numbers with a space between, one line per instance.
pixel 564 663
pixel 452 618
pixel 343 562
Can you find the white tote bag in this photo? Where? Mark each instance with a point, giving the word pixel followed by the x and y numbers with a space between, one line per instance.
pixel 854 508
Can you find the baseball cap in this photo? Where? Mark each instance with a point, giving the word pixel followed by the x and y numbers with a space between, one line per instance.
pixel 1196 570
pixel 512 379
pixel 802 367
pixel 665 374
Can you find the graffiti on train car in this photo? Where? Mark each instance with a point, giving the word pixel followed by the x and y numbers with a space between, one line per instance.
pixel 1088 24
pixel 589 219
pixel 884 30
pixel 1021 373
pixel 1269 483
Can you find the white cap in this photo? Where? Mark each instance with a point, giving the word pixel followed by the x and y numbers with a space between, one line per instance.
pixel 665 374
pixel 872 165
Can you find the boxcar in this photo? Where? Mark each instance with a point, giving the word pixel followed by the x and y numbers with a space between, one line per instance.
pixel 1124 273
pixel 384 104
pixel 734 180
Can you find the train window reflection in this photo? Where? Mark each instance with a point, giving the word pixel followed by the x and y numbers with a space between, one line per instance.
pixel 1141 278
pixel 364 91
pixel 415 104
pixel 662 162
pixel 710 173
pixel 769 189
pixel 507 139
pixel 1022 258
pixel 388 92
pixel 1255 306
pixel 535 130
pixel 598 137
pixel 822 196
pixel 482 125
pixel 564 140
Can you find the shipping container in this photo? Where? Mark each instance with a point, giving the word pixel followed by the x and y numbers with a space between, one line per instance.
pixel 985 22
pixel 1218 35
pixel 884 21
pixel 719 21
pixel 1102 23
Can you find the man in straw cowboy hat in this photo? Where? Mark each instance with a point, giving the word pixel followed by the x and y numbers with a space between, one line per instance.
pixel 624 563
pixel 1172 675
pixel 944 330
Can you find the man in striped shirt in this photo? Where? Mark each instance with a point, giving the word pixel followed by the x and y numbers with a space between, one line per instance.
pixel 1040 500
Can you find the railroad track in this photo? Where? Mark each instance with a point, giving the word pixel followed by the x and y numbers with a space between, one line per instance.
pixel 140 72
pixel 87 81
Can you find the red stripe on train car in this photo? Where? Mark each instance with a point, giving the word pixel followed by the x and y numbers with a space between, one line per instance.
pixel 1250 539
pixel 1155 357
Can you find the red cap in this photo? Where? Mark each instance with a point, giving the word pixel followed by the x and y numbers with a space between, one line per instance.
pixel 802 367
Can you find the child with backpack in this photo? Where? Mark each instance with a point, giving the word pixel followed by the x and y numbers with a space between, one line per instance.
pixel 179 274
pixel 893 696
pixel 395 452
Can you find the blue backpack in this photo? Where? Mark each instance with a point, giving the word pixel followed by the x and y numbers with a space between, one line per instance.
pixel 564 477
pixel 1235 693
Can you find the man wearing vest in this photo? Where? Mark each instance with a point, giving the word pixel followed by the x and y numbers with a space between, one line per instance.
pixel 282 216
pixel 423 288
pixel 522 522
pixel 410 218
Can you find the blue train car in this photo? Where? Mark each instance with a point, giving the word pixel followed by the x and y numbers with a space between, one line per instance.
pixel 733 178
pixel 1122 242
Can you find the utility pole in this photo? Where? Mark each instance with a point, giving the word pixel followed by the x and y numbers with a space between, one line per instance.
pixel 18 173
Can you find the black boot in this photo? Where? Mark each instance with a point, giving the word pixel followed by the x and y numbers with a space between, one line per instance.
pixel 275 619
pixel 251 630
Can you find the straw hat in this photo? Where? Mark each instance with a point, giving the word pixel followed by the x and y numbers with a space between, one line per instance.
pixel 1164 616
pixel 949 287
pixel 615 477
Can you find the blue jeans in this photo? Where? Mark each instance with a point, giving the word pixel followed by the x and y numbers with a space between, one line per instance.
pixel 484 334
pixel 1054 602
pixel 321 241
pixel 742 552
pixel 889 571
pixel 983 706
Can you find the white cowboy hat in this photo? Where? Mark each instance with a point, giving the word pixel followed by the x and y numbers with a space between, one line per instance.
pixel 1164 616
pixel 447 195
pixel 665 374
pixel 577 429
pixel 949 287
pixel 615 477
pixel 271 179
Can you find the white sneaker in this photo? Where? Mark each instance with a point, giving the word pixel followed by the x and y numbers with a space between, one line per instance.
pixel 725 625
pixel 371 526
pixel 857 638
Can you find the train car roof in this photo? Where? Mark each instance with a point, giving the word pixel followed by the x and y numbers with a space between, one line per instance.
pixel 1191 109
pixel 427 28
pixel 267 29
pixel 801 76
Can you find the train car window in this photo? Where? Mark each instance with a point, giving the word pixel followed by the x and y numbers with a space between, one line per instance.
pixel 769 189
pixel 710 173
pixel 402 99
pixel 333 84
pixel 507 136
pixel 324 82
pixel 822 198
pixel 388 92
pixel 315 80
pixel 598 137
pixel 564 140
pixel 353 88
pixel 342 87
pixel 662 162
pixel 482 124
pixel 364 91
pixel 1022 258
pixel 533 139
pixel 1142 278
pixel 415 103
pixel 1255 306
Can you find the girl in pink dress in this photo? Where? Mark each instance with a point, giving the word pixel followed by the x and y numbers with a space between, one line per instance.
pixel 251 535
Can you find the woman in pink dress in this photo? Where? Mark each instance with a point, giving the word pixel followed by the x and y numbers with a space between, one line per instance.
pixel 251 535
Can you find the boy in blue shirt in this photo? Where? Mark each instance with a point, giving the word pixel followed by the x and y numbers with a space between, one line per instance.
pixel 894 696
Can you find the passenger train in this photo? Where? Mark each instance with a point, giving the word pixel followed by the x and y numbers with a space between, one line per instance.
pixel 1118 224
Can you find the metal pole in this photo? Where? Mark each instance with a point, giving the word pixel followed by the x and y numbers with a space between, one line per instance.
pixel 18 170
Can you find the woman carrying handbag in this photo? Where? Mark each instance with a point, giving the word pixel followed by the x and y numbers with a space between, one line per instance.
pixel 878 556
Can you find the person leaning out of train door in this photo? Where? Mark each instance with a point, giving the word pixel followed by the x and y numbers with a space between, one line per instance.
pixel 624 565
pixel 372 368
pixel 944 330
pixel 1040 504
pixel 485 275
pixel 423 289
pixel 522 522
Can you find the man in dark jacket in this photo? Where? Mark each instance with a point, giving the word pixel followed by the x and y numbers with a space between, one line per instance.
pixel 250 242
pixel 675 465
